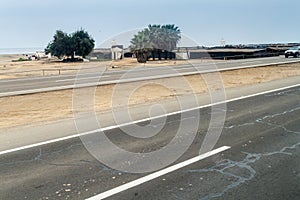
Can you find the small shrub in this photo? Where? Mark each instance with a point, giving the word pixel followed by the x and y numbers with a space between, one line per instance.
pixel 21 60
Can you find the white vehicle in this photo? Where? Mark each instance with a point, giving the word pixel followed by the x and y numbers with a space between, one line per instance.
pixel 294 51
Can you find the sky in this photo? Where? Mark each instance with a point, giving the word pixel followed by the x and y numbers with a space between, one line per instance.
pixel 32 23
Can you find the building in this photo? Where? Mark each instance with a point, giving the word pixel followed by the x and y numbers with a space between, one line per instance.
pixel 117 52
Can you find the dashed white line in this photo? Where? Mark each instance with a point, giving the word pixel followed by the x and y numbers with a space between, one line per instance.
pixel 157 174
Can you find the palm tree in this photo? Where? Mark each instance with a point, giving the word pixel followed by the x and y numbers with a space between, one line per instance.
pixel 154 40
pixel 141 45
pixel 165 39
pixel 171 36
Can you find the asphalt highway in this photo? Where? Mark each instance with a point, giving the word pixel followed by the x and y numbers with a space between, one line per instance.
pixel 97 77
pixel 263 133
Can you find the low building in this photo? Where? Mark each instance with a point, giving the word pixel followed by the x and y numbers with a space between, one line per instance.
pixel 117 52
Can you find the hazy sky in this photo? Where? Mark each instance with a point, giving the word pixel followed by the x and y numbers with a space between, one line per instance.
pixel 32 23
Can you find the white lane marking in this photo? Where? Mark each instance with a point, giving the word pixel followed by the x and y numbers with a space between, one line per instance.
pixel 77 78
pixel 157 174
pixel 142 120
pixel 256 61
pixel 257 65
pixel 43 77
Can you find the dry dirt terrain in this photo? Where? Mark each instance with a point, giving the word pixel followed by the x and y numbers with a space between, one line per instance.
pixel 44 67
pixel 9 69
pixel 50 106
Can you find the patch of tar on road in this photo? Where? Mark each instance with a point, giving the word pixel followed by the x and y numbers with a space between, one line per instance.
pixel 285 92
pixel 242 171
pixel 170 122
pixel 239 125
pixel 234 169
pixel 77 189
pixel 17 162
pixel 49 158
pixel 265 121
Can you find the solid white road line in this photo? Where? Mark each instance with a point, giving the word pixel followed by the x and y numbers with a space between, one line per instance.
pixel 46 77
pixel 142 120
pixel 257 65
pixel 77 78
pixel 156 174
pixel 248 62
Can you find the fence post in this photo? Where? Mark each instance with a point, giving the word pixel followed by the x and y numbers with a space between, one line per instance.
pixel 43 72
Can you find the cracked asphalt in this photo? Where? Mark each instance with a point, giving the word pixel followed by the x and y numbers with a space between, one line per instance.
pixel 263 162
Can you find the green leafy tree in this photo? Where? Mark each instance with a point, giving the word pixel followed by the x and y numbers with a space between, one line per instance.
pixel 82 43
pixel 63 44
pixel 60 46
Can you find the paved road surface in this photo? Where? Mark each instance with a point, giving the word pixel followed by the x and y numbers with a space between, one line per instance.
pixel 88 78
pixel 263 162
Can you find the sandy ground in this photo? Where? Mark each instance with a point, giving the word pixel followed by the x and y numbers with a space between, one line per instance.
pixel 44 67
pixel 51 106
pixel 9 69
pixel 128 63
